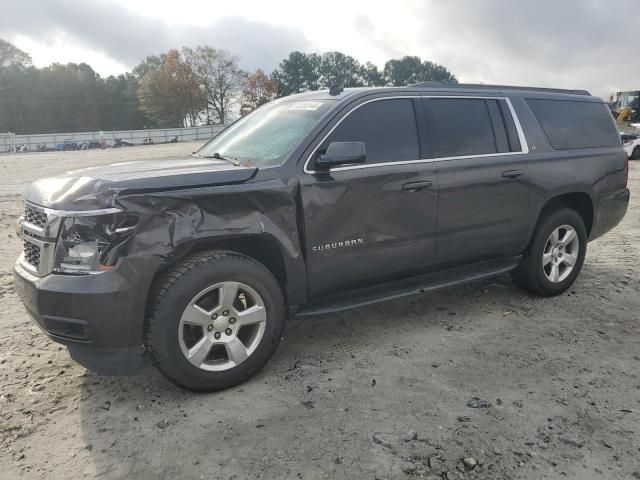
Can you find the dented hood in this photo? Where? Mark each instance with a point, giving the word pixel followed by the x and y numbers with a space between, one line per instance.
pixel 97 187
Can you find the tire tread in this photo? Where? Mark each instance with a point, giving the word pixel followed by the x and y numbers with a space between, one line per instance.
pixel 169 280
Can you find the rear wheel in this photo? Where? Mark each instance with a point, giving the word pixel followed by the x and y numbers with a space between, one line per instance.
pixel 635 155
pixel 556 255
pixel 217 317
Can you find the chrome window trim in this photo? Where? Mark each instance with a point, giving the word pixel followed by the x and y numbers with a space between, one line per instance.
pixel 77 213
pixel 524 146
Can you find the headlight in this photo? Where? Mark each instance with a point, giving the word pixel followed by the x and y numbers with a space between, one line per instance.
pixel 90 244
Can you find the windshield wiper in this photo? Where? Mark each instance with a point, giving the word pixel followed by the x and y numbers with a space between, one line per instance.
pixel 217 156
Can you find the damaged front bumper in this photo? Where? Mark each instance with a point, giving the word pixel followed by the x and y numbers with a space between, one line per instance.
pixel 98 317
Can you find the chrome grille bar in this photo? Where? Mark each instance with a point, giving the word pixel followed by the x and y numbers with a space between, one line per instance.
pixel 38 228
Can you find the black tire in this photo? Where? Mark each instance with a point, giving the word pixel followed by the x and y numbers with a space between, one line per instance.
pixel 635 155
pixel 530 274
pixel 173 291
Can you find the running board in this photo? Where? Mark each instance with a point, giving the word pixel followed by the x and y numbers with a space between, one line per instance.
pixel 412 286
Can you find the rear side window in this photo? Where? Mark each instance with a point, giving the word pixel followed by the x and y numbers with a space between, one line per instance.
pixel 387 128
pixel 572 124
pixel 461 126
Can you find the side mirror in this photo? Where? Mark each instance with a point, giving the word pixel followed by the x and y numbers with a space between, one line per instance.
pixel 340 153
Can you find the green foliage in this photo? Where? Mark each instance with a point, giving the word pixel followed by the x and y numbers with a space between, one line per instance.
pixel 12 56
pixel 64 98
pixel 176 88
pixel 149 64
pixel 408 70
pixel 300 72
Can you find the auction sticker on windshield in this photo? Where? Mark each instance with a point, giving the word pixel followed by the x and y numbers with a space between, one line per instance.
pixel 305 106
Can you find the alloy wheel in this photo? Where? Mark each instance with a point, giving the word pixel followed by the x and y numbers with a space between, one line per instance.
pixel 560 253
pixel 222 326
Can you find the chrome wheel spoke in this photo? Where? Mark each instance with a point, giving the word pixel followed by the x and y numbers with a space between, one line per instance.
pixel 200 351
pixel 215 335
pixel 194 315
pixel 555 272
pixel 236 350
pixel 560 253
pixel 228 294
pixel 568 237
pixel 252 315
pixel 569 259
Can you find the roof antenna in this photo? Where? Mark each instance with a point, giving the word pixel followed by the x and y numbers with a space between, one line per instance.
pixel 335 90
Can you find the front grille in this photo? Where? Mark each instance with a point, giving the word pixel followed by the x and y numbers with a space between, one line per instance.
pixel 35 217
pixel 39 230
pixel 32 254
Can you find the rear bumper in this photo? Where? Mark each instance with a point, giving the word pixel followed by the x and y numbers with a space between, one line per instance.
pixel 609 211
pixel 98 317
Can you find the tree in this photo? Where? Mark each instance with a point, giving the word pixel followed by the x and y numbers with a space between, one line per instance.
pixel 172 95
pixel 221 78
pixel 120 105
pixel 336 68
pixel 258 90
pixel 300 72
pixel 175 88
pixel 149 64
pixel 409 70
pixel 371 76
pixel 12 56
pixel 297 73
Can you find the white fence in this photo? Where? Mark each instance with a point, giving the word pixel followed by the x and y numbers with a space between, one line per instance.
pixel 137 137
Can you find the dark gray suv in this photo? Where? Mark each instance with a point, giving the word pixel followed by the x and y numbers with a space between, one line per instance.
pixel 311 204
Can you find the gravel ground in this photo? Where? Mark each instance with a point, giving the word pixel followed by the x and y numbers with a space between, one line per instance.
pixel 379 392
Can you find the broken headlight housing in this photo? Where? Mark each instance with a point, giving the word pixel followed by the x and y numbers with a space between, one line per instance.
pixel 90 244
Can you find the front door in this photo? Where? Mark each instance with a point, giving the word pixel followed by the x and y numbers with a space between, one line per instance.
pixel 374 222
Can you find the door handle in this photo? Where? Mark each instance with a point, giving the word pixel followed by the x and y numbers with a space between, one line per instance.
pixel 417 186
pixel 512 173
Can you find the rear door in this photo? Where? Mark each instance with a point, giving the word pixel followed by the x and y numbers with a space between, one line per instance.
pixel 370 223
pixel 482 177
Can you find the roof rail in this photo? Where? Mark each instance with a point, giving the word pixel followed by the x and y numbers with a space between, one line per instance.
pixel 529 89
pixel 499 87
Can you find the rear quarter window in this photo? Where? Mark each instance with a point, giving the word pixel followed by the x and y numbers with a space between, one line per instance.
pixel 572 124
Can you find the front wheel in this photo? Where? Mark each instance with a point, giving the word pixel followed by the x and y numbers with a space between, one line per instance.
pixel 556 255
pixel 635 155
pixel 216 319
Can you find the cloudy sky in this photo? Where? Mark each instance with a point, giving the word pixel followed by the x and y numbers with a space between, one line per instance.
pixel 588 44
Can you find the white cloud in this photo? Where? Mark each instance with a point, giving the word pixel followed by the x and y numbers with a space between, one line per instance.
pixel 569 43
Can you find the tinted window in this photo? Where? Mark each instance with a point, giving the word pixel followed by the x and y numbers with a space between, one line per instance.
pixel 387 128
pixel 497 122
pixel 574 124
pixel 461 126
pixel 512 133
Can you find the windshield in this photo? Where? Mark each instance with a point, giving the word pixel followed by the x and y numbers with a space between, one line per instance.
pixel 267 135
pixel 628 99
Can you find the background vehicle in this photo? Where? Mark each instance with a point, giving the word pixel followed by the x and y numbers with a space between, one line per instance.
pixel 316 203
pixel 118 142
pixel 631 143
pixel 627 106
pixel 67 145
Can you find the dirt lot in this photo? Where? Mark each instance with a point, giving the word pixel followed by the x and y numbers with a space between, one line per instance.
pixel 378 392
